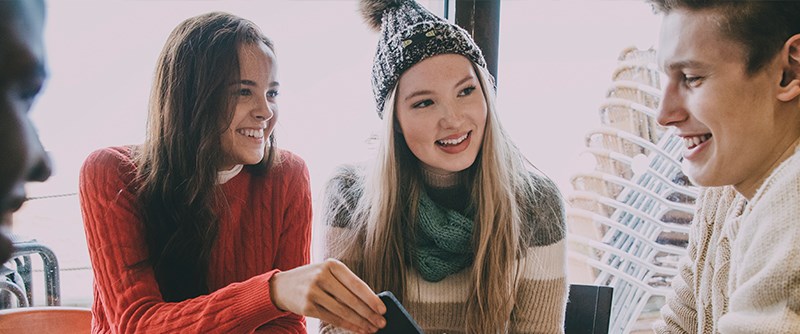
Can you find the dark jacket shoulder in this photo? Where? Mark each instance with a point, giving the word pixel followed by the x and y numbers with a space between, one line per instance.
pixel 543 211
pixel 342 193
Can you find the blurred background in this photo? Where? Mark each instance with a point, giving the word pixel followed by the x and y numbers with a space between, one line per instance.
pixel 556 59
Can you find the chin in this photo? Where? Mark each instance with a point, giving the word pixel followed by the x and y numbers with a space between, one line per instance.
pixel 5 216
pixel 455 168
pixel 693 172
pixel 255 161
pixel 6 248
pixel 251 159
pixel 699 178
pixel 696 178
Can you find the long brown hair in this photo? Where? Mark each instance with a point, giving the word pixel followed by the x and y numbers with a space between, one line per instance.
pixel 190 107
pixel 384 216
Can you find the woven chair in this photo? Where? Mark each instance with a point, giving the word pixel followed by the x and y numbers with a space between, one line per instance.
pixel 634 219
pixel 628 220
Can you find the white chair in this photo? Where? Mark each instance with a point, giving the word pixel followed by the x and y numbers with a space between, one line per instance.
pixel 628 222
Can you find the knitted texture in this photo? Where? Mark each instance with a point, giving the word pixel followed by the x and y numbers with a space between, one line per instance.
pixel 440 307
pixel 265 227
pixel 409 34
pixel 443 241
pixel 742 273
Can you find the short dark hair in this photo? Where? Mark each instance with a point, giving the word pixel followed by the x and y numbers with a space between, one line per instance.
pixel 762 27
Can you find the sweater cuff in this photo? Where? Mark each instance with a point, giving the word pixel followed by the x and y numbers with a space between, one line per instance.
pixel 256 307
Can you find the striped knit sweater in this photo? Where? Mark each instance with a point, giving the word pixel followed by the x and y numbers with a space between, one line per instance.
pixel 440 307
pixel 742 273
pixel 265 228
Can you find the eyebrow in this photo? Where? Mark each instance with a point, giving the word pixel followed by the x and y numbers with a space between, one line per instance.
pixel 686 64
pixel 423 92
pixel 253 83
pixel 467 78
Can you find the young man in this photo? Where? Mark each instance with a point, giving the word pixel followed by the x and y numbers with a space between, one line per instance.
pixel 22 71
pixel 733 81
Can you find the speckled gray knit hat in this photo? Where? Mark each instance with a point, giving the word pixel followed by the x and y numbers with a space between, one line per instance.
pixel 409 34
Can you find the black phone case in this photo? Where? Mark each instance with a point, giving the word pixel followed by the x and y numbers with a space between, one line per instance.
pixel 398 321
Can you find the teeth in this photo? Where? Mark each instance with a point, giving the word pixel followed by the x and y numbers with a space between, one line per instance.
pixel 251 133
pixel 691 142
pixel 453 141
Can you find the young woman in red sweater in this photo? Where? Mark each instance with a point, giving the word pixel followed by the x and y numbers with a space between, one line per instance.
pixel 205 228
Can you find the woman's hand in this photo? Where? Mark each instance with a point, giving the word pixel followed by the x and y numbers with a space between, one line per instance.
pixel 331 292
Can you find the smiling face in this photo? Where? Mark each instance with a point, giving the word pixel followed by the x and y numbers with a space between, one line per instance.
pixel 256 108
pixel 22 73
pixel 733 123
pixel 441 111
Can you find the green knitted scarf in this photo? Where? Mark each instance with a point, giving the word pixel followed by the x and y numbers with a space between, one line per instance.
pixel 443 241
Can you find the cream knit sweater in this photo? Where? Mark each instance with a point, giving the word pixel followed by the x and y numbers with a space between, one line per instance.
pixel 440 307
pixel 742 273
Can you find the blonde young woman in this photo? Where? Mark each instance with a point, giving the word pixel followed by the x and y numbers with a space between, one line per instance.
pixel 449 217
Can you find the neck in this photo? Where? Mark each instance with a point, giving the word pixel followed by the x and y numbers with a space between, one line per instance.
pixel 748 188
pixel 447 189
pixel 441 179
pixel 225 175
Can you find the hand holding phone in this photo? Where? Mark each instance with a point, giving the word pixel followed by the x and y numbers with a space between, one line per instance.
pixel 398 321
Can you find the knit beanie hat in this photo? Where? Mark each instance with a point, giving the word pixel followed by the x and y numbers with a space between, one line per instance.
pixel 409 34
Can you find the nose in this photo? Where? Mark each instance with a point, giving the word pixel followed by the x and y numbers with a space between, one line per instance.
pixel 42 168
pixel 672 109
pixel 451 115
pixel 38 167
pixel 265 110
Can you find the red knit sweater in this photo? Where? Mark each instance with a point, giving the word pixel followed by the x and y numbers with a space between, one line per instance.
pixel 267 228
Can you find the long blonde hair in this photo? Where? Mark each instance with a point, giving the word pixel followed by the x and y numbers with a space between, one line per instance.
pixel 383 218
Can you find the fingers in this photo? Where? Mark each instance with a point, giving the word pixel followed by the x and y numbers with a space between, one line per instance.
pixel 331 292
pixel 356 286
pixel 340 315
pixel 342 291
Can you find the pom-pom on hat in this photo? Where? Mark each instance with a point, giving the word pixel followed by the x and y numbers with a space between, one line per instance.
pixel 409 34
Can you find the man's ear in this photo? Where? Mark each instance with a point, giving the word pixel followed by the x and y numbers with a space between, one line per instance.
pixel 790 85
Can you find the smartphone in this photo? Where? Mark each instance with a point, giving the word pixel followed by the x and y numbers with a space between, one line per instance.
pixel 398 321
